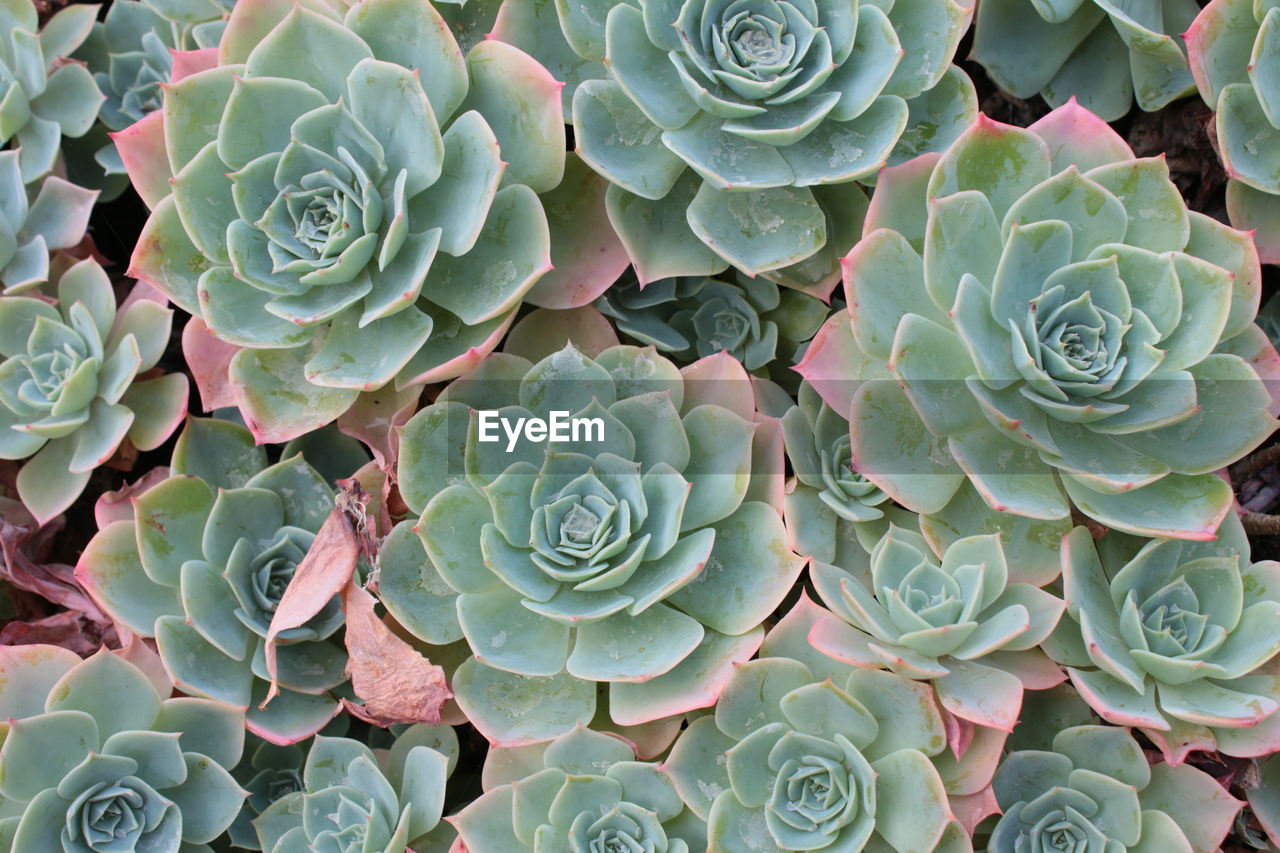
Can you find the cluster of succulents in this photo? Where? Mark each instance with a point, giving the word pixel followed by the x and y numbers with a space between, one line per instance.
pixel 541 491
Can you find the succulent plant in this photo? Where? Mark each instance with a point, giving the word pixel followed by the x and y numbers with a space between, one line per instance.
pixel 349 206
pixel 641 553
pixel 98 759
pixel 1106 55
pixel 1232 45
pixel 202 566
pixel 268 772
pixel 752 319
pixel 1170 636
pixel 351 803
pixel 74 384
pixel 721 126
pixel 791 760
pixel 31 227
pixel 582 791
pixel 1054 327
pixel 826 490
pixel 964 619
pixel 43 95
pixel 1093 791
pixel 130 53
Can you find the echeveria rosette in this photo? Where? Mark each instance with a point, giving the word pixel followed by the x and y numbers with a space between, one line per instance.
pixel 43 95
pixel 35 222
pixel 268 772
pixel 350 802
pixel 130 53
pixel 97 758
pixel 798 757
pixel 826 491
pixel 722 124
pixel 1174 638
pixel 642 559
pixel 1053 326
pixel 201 567
pixel 691 317
pixel 1093 791
pixel 583 791
pixel 1235 57
pixel 70 386
pixel 1106 55
pixel 349 206
pixel 964 620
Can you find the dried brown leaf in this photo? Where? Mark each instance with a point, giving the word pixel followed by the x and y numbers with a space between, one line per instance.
pixel 397 684
pixel 323 572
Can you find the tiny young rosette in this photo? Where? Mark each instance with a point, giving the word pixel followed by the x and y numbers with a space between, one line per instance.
pixel 267 772
pixel 354 202
pixel 1092 790
pixel 131 56
pixel 1106 55
pixel 352 802
pixel 1059 330
pixel 640 559
pixel 964 619
pixel 826 492
pixel 753 319
pixel 75 384
pixel 1235 56
pixel 1175 638
pixel 44 96
pixel 97 758
pixel 723 127
pixel 585 791
pixel 201 566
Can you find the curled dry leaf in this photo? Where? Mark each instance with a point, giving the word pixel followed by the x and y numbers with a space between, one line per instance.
pixel 325 570
pixel 397 684
pixel 66 628
pixel 23 545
